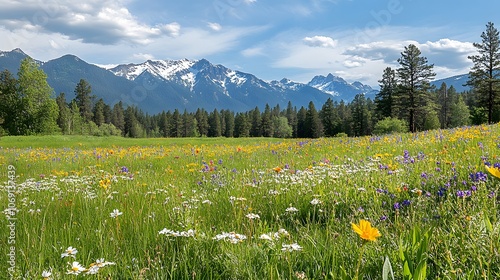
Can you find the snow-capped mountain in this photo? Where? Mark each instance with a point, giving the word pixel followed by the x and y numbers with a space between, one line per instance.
pixel 162 85
pixel 338 87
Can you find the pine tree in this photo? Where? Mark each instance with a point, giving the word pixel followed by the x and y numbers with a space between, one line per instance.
pixel 266 122
pixel 83 98
pixel 361 117
pixel 291 115
pixel 214 122
pixel 241 125
pixel 256 121
pixel 118 117
pixel 414 76
pixel 313 126
pixel 484 76
pixel 384 100
pixel 302 130
pixel 229 119
pixel 64 118
pixel 98 114
pixel 202 119
pixel 329 118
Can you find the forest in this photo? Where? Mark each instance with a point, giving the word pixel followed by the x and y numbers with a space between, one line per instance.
pixel 406 102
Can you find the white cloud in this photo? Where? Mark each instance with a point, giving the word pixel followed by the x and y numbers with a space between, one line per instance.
pixel 143 56
pixel 253 52
pixel 101 22
pixel 320 41
pixel 214 26
pixel 173 29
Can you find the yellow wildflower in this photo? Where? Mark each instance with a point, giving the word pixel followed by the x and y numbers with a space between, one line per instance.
pixel 366 231
pixel 493 171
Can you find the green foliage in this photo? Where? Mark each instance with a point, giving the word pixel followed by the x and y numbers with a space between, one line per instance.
pixel 390 125
pixel 413 75
pixel 484 76
pixel 413 253
pixel 39 109
pixel 281 127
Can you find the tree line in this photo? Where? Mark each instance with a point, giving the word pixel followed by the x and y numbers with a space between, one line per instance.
pixel 406 102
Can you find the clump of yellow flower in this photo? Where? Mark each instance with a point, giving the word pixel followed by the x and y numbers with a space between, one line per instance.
pixel 365 230
pixel 493 171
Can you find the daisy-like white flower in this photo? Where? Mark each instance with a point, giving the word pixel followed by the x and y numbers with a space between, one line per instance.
pixel 93 269
pixel 291 210
pixel 266 237
pixel 76 268
pixel 70 252
pixel 115 213
pixel 291 247
pixel 232 237
pixel 46 275
pixel 315 201
pixel 252 216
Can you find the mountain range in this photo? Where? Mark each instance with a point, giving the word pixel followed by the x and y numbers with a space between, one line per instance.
pixel 161 85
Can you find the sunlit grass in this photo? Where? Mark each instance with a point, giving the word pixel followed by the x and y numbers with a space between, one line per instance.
pixel 253 208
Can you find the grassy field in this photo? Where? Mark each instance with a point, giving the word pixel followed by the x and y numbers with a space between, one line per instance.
pixel 205 208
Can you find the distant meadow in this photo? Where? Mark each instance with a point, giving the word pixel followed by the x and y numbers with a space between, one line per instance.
pixel 400 206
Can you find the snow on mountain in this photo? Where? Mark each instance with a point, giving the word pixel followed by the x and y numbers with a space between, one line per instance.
pixel 338 87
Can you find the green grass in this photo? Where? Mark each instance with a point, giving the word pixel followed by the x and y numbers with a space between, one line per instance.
pixel 68 186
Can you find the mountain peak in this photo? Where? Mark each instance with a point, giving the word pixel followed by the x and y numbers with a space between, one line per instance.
pixel 18 50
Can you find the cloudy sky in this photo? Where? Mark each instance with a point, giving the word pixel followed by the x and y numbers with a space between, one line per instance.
pixel 297 39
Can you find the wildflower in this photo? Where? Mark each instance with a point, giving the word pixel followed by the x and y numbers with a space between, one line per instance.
pixel 397 206
pixel 493 170
pixel 252 216
pixel 291 247
pixel 315 201
pixel 46 275
pixel 231 237
pixel 124 169
pixel 70 252
pixel 266 237
pixel 115 213
pixel 277 169
pixel 366 231
pixel 291 210
pixel 76 268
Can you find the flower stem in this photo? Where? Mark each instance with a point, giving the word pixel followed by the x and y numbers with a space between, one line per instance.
pixel 360 258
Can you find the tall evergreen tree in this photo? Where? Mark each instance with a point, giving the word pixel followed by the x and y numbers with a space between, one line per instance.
pixel 229 119
pixel 313 126
pixel 241 125
pixel 291 115
pixel 256 121
pixel 214 129
pixel 118 117
pixel 266 122
pixel 98 112
pixel 83 98
pixel 414 76
pixel 329 118
pixel 302 130
pixel 384 100
pixel 484 76
pixel 202 120
pixel 361 117
pixel 64 118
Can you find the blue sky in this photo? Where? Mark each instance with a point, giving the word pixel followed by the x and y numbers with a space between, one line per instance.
pixel 296 39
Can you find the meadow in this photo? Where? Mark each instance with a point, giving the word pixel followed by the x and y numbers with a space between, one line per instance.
pixel 402 206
